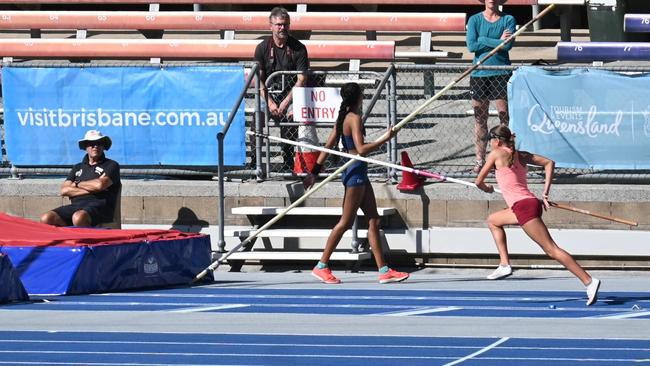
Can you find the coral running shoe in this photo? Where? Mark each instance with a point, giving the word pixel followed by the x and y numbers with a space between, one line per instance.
pixel 392 276
pixel 325 275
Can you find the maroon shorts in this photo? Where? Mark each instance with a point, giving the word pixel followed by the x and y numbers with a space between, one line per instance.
pixel 527 209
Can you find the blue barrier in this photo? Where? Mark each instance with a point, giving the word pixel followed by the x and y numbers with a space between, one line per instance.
pixel 155 115
pixel 637 23
pixel 603 51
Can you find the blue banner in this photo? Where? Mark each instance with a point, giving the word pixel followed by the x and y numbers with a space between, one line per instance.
pixel 582 118
pixel 155 116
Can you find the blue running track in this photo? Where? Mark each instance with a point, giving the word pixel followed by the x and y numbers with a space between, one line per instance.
pixel 90 348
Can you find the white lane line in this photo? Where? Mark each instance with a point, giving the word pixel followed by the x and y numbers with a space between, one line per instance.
pixel 550 360
pixel 342 297
pixel 635 314
pixel 523 359
pixel 25 342
pixel 420 311
pixel 69 353
pixel 483 350
pixel 63 304
pixel 209 308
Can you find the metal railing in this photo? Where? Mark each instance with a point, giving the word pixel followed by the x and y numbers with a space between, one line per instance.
pixel 279 160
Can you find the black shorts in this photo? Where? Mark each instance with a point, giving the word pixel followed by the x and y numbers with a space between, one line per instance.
pixel 489 87
pixel 98 212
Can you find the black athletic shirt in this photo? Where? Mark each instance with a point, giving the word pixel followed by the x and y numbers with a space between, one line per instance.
pixel 83 171
pixel 292 57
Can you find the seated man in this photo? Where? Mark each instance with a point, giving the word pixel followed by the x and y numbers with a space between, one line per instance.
pixel 92 185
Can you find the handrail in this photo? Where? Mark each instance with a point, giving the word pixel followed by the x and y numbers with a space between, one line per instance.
pixel 253 74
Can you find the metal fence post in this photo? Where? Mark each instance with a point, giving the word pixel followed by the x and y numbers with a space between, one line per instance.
pixel 221 243
pixel 392 113
pixel 259 172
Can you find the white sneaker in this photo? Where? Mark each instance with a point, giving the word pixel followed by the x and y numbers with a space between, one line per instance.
pixel 592 291
pixel 500 272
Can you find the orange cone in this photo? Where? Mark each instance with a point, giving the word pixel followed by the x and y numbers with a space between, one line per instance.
pixel 410 181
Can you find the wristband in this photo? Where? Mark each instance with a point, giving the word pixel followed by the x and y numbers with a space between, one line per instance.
pixel 76 183
pixel 316 169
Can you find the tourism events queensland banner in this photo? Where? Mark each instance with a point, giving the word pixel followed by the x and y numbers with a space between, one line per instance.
pixel 582 118
pixel 154 115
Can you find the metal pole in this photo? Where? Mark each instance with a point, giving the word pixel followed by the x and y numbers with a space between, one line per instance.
pixel 259 172
pixel 221 243
pixel 392 108
pixel 535 9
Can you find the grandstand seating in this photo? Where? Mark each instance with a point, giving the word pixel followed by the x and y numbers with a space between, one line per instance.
pixel 229 22
pixel 255 21
pixel 184 49
pixel 637 23
pixel 603 51
pixel 610 51
pixel 237 21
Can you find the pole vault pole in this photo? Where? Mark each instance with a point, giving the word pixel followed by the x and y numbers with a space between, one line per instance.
pixel 594 214
pixel 395 128
pixel 422 173
pixel 438 176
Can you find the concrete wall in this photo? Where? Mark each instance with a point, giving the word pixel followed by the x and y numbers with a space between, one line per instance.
pixel 441 220
pixel 436 205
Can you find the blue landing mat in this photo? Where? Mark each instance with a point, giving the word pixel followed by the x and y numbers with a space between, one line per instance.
pixel 53 270
pixel 11 289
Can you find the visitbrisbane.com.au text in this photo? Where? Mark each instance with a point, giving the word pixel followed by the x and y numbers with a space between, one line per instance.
pixel 100 118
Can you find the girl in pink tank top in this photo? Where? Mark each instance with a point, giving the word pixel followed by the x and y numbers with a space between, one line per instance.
pixel 513 180
pixel 523 207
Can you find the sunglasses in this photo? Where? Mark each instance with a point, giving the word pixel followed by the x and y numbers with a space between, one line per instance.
pixel 493 135
pixel 94 144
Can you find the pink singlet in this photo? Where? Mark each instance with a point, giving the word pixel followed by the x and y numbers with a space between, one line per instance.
pixel 513 184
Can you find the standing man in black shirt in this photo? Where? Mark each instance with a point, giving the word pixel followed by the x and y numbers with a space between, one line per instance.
pixel 281 52
pixel 93 186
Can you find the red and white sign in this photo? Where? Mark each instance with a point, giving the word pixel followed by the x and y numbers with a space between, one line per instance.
pixel 316 104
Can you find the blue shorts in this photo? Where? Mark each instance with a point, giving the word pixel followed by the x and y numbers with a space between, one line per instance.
pixel 356 174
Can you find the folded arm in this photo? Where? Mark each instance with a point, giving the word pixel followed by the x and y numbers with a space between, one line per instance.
pixel 76 189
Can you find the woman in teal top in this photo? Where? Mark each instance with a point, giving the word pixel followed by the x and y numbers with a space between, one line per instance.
pixel 485 31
